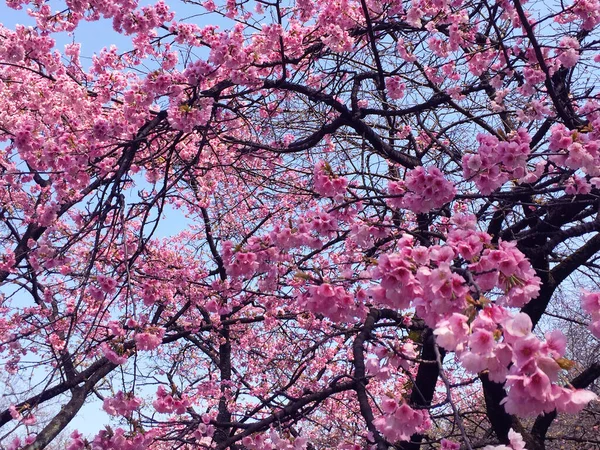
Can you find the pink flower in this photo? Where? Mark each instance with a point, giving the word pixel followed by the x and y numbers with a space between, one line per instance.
pixel 326 183
pixel 526 349
pixel 167 403
pixel 121 404
pixel 472 362
pixel 568 55
pixel 519 326
pixel 331 301
pixel 482 342
pixel 389 405
pixel 398 423
pixel 556 343
pixel 149 340
pixel 449 445
pixel 574 400
pixel 452 333
pixel 595 328
pixel 16 415
pixel 538 385
pixel 497 161
pixel 516 441
pixel 244 264
pixel 425 189
pixel 395 87
pixel 77 442
pixel 107 284
pixel 111 355
pixel 590 302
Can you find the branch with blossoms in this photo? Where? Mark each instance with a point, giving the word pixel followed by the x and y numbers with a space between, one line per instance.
pixel 338 224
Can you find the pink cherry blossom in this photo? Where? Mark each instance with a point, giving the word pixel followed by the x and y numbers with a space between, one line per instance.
pixel 395 87
pixel 150 339
pixel 297 225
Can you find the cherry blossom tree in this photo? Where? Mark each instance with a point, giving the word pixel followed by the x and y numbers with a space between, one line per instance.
pixel 380 202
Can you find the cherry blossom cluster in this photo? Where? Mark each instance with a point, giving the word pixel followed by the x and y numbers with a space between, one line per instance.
pixel 149 339
pixel 423 277
pixel 24 43
pixel 424 189
pixel 447 444
pixel 586 11
pixel 399 421
pixel 322 222
pixel 465 239
pixel 273 441
pixel 568 54
pixel 386 362
pixel 27 419
pixel 590 303
pixel 335 20
pixel 496 162
pixel 326 183
pixel 119 439
pixel 576 150
pixel 186 118
pixel 395 87
pixel 114 354
pixel 167 403
pixel 143 20
pixel 260 254
pixel 121 404
pixel 530 367
pixel 77 441
pixel 398 285
pixel 516 443
pixel 109 439
pixel 244 264
pixel 205 431
pixel 283 259
pixel 420 277
pixel 126 18
pixel 287 237
pixel 507 268
pixel 18 443
pixel 331 301
pixel 364 234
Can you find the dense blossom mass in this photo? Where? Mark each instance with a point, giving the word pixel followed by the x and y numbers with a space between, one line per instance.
pixel 301 224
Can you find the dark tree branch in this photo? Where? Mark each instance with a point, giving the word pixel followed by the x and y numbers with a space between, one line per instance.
pixel 425 382
pixel 361 378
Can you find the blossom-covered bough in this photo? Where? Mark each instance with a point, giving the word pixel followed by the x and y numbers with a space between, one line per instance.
pixel 380 203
